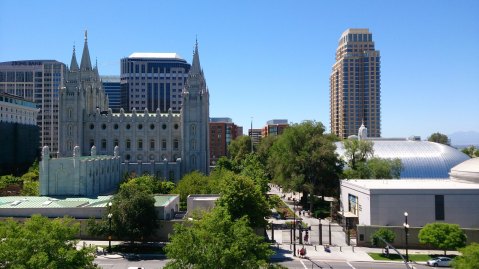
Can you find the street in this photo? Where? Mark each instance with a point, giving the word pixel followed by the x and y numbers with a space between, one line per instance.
pixel 296 263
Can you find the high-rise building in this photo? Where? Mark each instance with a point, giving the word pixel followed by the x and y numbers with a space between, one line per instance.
pixel 111 84
pixel 255 135
pixel 153 80
pixel 274 127
pixel 355 85
pixel 222 131
pixel 38 81
pixel 18 133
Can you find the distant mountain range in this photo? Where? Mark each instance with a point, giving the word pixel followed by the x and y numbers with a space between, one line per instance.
pixel 464 139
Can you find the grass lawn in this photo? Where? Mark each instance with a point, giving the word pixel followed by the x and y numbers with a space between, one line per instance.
pixel 396 257
pixel 137 248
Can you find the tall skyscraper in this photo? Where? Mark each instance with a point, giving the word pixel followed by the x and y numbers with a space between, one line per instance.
pixel 38 81
pixel 153 80
pixel 111 84
pixel 355 85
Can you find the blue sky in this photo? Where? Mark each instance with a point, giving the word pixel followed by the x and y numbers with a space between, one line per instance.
pixel 272 59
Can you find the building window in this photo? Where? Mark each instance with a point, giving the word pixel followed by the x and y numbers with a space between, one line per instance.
pixel 152 144
pixel 115 142
pixel 70 113
pixel 140 126
pixel 175 144
pixel 193 129
pixel 193 144
pixel 92 126
pixel 439 201
pixel 128 144
pixel 128 126
pixel 70 130
pixel 163 144
pixel 115 126
pixel 140 144
pixel 163 126
pixel 176 126
pixel 92 143
pixel 127 157
pixel 353 204
pixel 103 144
pixel 152 126
pixel 103 126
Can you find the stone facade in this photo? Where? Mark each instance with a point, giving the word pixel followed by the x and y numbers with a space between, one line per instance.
pixel 78 175
pixel 166 145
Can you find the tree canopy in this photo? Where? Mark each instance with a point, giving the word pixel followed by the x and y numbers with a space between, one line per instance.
pixel 443 236
pixel 469 258
pixel 471 151
pixel 385 234
pixel 242 197
pixel 151 184
pixel 303 159
pixel 217 241
pixel 133 213
pixel 439 138
pixel 362 164
pixel 239 148
pixel 42 243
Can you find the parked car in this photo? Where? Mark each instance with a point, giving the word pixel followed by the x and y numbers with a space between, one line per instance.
pixel 439 261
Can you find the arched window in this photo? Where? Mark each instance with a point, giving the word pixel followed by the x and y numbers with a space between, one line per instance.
pixel 103 144
pixel 128 144
pixel 70 130
pixel 115 142
pixel 140 144
pixel 70 112
pixel 193 129
pixel 92 142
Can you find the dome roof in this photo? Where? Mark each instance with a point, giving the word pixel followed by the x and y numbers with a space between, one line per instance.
pixel 420 159
pixel 467 170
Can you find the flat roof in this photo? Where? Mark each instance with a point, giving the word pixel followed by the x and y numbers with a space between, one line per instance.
pixel 155 55
pixel 69 202
pixel 410 184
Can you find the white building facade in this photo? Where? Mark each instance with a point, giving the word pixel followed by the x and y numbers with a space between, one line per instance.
pixel 383 202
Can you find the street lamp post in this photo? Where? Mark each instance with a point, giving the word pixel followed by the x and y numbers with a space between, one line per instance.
pixel 406 229
pixel 109 225
pixel 294 227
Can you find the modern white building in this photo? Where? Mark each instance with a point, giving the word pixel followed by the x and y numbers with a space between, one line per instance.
pixel 383 202
pixel 420 159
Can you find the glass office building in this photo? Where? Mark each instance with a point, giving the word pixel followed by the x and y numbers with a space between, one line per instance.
pixel 111 84
pixel 38 81
pixel 355 85
pixel 152 81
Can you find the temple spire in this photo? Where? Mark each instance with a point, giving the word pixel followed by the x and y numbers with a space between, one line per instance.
pixel 85 59
pixel 74 63
pixel 195 66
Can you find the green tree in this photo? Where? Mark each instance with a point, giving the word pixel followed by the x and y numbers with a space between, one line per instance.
pixel 133 213
pixel 443 236
pixel 303 159
pixel 151 184
pixel 384 168
pixel 217 241
pixel 357 151
pixel 253 168
pixel 42 243
pixel 197 183
pixel 241 196
pixel 385 234
pixel 439 138
pixel 471 151
pixel 469 258
pixel 239 148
